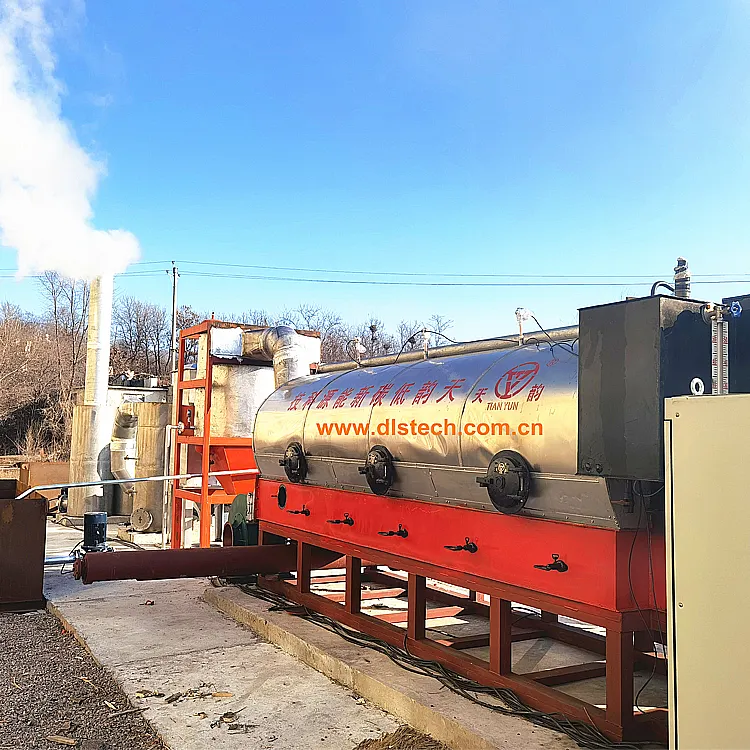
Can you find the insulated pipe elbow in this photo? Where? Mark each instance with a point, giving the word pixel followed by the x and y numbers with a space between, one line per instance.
pixel 283 346
pixel 122 447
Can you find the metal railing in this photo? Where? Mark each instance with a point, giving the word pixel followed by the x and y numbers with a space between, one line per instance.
pixel 105 482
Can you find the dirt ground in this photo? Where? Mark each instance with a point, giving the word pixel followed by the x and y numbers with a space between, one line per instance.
pixel 50 687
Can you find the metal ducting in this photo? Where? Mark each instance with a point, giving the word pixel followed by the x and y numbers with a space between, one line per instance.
pixel 123 450
pixel 283 346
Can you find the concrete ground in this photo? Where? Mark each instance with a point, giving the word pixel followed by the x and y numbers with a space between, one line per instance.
pixel 203 666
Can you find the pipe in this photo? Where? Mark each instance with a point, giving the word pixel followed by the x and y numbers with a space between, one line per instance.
pixel 122 448
pixel 283 346
pixel 106 482
pixel 59 560
pixel 453 350
pixel 223 562
pixel 166 495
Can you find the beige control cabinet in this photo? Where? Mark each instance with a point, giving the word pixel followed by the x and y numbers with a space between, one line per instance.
pixel 708 571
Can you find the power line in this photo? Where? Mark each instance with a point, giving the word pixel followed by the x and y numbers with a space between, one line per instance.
pixel 451 284
pixel 438 275
pixel 582 280
pixel 117 275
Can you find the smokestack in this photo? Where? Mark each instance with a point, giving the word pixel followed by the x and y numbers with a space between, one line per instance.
pixel 681 279
pixel 92 421
pixel 97 346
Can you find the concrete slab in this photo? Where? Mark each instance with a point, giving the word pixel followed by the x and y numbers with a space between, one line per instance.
pixel 181 645
pixel 419 701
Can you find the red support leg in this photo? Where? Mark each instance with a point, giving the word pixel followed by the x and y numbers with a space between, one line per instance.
pixel 417 595
pixel 353 601
pixel 620 678
pixel 500 636
pixel 303 568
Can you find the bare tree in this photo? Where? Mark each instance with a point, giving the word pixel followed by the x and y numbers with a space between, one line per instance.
pixel 141 337
pixel 334 335
pixel 67 307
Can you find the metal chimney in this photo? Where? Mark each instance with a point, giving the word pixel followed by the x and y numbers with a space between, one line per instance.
pixel 682 279
pixel 92 421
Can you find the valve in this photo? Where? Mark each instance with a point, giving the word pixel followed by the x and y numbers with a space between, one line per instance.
pixel 402 532
pixel 557 564
pixel 466 547
pixel 347 520
pixel 304 511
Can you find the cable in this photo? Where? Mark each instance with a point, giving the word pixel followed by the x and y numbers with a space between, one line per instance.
pixel 348 353
pixel 509 704
pixel 652 578
pixel 630 584
pixel 552 343
pixel 657 284
pixel 424 273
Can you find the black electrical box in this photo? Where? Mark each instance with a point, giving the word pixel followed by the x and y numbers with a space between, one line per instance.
pixel 632 355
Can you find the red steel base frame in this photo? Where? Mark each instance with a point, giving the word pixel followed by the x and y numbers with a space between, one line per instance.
pixel 605 569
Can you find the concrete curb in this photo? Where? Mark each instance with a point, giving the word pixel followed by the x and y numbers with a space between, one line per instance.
pixel 429 708
pixel 54 610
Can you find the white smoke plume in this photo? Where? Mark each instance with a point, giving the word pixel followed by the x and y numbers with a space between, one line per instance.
pixel 47 179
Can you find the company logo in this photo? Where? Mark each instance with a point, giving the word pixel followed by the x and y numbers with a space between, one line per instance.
pixel 516 379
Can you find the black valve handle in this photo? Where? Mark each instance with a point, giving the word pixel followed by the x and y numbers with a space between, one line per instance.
pixel 302 512
pixel 557 565
pixel 467 547
pixel 402 532
pixel 347 520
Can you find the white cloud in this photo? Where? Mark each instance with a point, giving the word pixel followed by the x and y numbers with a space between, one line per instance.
pixel 47 179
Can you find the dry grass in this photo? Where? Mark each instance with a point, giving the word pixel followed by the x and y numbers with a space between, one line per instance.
pixel 404 738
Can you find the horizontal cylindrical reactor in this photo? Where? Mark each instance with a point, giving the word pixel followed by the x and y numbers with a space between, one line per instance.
pixel 440 422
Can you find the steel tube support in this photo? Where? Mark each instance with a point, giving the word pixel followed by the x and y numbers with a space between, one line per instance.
pixel 223 562
pixel 469 347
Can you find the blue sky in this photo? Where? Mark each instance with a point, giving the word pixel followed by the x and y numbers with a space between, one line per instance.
pixel 463 137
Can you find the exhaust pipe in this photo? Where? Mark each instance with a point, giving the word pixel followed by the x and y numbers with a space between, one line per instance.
pixel 196 562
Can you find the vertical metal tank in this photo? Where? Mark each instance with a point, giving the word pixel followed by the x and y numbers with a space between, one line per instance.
pixel 153 418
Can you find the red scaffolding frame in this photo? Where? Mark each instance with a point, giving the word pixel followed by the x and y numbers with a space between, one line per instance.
pixel 217 453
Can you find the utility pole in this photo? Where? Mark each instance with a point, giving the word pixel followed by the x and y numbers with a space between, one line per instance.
pixel 175 276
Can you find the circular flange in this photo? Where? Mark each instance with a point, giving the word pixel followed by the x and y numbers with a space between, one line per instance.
pixel 141 519
pixel 294 463
pixel 379 470
pixel 508 481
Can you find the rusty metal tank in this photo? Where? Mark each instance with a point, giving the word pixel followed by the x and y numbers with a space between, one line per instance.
pixel 442 420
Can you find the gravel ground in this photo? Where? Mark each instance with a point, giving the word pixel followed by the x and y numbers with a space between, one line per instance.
pixel 50 686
